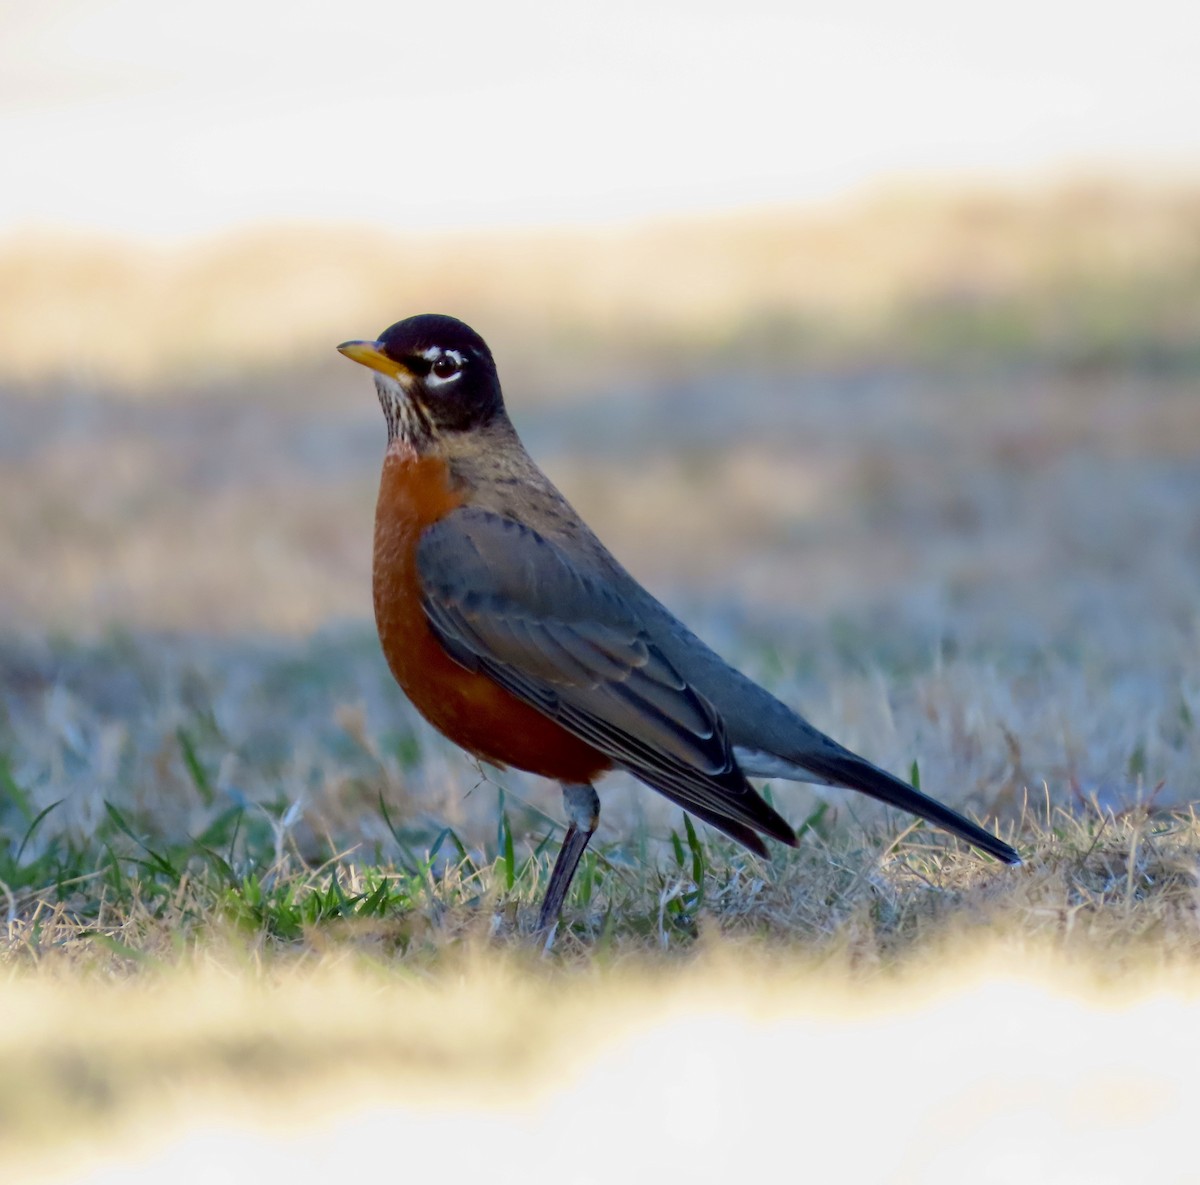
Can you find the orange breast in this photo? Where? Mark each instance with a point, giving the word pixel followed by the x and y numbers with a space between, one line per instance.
pixel 469 708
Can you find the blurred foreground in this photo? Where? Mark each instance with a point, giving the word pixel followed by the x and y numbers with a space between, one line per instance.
pixel 738 1066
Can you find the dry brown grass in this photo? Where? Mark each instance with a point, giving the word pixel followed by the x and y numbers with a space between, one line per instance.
pixel 1090 268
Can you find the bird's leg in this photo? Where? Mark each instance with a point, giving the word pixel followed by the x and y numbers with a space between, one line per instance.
pixel 583 813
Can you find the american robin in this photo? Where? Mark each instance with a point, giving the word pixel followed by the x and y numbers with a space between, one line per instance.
pixel 515 632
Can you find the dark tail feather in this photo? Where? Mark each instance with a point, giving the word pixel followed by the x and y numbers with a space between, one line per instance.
pixel 857 774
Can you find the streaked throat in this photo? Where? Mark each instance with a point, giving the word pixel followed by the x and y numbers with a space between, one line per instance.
pixel 407 421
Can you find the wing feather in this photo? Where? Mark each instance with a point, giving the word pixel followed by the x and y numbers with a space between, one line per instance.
pixel 506 601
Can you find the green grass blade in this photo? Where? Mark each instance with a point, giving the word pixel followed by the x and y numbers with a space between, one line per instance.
pixel 158 861
pixel 813 821
pixel 699 856
pixel 33 827
pixel 199 774
pixel 504 842
pixel 411 863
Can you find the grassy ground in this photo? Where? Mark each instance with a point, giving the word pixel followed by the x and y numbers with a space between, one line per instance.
pixel 234 866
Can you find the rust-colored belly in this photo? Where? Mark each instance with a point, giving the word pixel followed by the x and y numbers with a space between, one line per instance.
pixel 469 708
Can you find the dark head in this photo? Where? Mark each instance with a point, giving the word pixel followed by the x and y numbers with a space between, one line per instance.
pixel 434 375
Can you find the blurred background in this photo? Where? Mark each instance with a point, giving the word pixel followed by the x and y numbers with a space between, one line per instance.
pixel 869 340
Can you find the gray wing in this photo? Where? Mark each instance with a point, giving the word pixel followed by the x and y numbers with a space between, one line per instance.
pixel 505 601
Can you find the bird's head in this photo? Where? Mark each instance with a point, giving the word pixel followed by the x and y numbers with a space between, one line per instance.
pixel 434 376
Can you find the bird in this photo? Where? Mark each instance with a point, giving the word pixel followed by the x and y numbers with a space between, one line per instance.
pixel 517 634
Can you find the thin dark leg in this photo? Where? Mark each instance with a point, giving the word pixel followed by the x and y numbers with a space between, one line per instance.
pixel 583 811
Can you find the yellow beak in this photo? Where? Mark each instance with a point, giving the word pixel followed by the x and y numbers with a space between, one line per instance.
pixel 371 354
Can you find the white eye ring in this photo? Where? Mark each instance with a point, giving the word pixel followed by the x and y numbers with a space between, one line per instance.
pixel 444 365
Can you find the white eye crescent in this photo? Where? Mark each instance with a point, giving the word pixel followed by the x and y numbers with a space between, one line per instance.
pixel 443 364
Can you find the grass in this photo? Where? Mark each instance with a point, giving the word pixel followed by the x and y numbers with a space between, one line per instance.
pixel 125 896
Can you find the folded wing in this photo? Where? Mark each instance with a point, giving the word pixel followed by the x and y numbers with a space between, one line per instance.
pixel 504 600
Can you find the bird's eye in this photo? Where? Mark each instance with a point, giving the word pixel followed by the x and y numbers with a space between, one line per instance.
pixel 446 366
